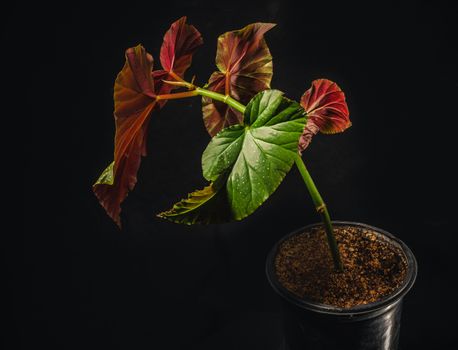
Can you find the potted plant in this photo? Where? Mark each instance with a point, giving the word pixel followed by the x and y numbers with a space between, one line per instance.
pixel 342 283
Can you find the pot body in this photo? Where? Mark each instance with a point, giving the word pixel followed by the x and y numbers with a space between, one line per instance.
pixel 313 326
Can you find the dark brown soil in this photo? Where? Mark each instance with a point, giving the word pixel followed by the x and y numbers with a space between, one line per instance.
pixel 373 268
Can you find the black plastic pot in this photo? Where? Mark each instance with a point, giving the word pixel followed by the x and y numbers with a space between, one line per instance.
pixel 312 326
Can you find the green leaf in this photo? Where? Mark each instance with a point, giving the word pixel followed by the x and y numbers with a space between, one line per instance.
pixel 256 156
pixel 245 162
pixel 205 206
pixel 107 177
pixel 224 151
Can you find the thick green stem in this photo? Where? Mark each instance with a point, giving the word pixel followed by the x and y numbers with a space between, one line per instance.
pixel 223 98
pixel 200 91
pixel 322 210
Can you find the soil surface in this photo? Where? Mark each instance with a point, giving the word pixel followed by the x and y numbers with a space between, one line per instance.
pixel 373 268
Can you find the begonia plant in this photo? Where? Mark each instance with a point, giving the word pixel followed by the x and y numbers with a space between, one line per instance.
pixel 257 134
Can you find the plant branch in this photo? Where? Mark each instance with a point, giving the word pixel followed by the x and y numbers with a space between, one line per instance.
pixel 177 77
pixel 200 91
pixel 322 210
pixel 177 95
pixel 222 98
pixel 185 84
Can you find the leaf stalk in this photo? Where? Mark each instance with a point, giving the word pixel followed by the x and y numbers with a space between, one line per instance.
pixel 177 95
pixel 322 210
pixel 222 98
pixel 195 90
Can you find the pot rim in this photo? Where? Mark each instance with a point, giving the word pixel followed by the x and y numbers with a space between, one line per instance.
pixel 334 310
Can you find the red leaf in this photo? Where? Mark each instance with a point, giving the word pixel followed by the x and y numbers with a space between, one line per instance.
pixel 180 42
pixel 325 105
pixel 245 68
pixel 135 98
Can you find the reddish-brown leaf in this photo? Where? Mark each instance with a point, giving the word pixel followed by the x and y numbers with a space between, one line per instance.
pixel 325 105
pixel 218 115
pixel 135 98
pixel 180 42
pixel 245 68
pixel 326 110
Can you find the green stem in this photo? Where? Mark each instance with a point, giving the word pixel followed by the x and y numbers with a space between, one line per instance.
pixel 223 98
pixel 322 210
pixel 199 91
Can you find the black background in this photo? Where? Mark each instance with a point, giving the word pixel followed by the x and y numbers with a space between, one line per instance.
pixel 77 282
